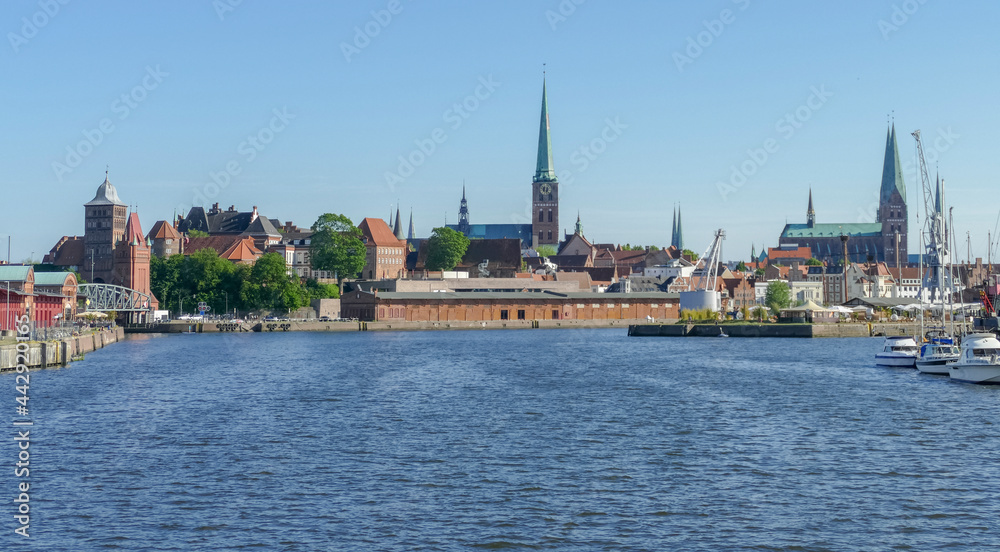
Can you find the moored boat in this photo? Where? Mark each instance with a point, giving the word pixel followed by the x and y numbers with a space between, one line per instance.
pixel 979 361
pixel 936 354
pixel 898 351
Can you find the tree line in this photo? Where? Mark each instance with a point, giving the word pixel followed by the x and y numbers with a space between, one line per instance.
pixel 336 246
pixel 224 286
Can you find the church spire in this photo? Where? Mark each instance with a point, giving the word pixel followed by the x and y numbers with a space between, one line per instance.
pixel 680 232
pixel 397 229
pixel 463 215
pixel 544 170
pixel 673 229
pixel 409 235
pixel 892 172
pixel 810 213
pixel 578 229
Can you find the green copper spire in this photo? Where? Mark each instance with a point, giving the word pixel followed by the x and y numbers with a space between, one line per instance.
pixel 578 229
pixel 680 232
pixel 544 170
pixel 892 171
pixel 673 228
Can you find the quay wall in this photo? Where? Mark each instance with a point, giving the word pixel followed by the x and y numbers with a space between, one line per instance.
pixel 42 354
pixel 773 330
pixel 178 326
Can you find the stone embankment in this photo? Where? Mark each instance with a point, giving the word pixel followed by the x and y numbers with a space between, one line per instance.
pixel 774 330
pixel 178 326
pixel 42 354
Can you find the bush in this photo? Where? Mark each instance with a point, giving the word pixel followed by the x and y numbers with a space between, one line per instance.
pixel 699 315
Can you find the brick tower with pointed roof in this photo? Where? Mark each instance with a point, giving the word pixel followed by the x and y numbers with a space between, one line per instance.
pixel 132 258
pixel 892 203
pixel 104 226
pixel 545 187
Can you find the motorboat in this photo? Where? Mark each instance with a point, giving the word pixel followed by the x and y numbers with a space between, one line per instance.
pixel 899 351
pixel 979 361
pixel 936 353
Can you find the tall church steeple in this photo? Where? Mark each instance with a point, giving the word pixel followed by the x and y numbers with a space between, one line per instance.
pixel 892 172
pixel 397 229
pixel 578 229
pixel 463 215
pixel 810 213
pixel 673 227
pixel 544 169
pixel 544 187
pixel 892 211
pixel 409 235
pixel 677 237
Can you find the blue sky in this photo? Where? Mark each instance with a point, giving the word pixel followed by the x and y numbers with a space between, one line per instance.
pixel 307 107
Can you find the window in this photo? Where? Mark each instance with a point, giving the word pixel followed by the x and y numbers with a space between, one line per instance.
pixel 520 314
pixel 555 314
pixel 541 235
pixel 550 235
pixel 550 216
pixel 503 314
pixel 541 217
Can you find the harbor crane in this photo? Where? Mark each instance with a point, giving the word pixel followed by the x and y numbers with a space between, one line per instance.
pixel 705 295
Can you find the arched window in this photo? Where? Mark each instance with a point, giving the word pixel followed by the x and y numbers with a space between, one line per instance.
pixel 541 216
pixel 550 215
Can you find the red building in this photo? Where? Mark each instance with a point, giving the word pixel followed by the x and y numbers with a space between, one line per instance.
pixel 386 254
pixel 48 297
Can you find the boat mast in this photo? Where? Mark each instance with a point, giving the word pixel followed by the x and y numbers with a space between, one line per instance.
pixel 951 275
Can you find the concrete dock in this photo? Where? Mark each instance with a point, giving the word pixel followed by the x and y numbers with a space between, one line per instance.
pixel 41 354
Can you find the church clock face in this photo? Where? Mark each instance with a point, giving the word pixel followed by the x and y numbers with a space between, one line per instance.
pixel 545 188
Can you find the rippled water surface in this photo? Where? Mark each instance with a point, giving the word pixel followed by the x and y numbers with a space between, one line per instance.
pixel 535 439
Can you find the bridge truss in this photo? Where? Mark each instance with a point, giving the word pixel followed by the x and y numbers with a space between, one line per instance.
pixel 106 297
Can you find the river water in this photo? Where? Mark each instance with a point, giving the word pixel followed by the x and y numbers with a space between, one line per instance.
pixel 528 439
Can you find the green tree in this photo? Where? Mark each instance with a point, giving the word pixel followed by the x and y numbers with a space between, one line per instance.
pixel 197 233
pixel 315 290
pixel 164 276
pixel 545 250
pixel 742 267
pixel 272 287
pixel 814 262
pixel 337 246
pixel 445 248
pixel 692 254
pixel 778 296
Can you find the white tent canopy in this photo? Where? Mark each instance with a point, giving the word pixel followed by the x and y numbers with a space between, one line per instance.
pixel 809 306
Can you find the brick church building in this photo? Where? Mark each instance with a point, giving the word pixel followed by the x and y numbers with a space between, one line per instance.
pixel 883 240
